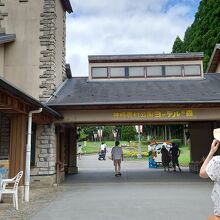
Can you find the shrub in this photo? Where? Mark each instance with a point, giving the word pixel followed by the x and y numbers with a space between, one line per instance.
pixel 177 141
pixel 145 143
pixel 133 154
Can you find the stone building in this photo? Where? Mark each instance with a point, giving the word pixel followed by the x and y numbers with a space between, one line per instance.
pixel 32 68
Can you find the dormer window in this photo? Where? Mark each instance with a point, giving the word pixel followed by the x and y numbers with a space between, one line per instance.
pixel 117 72
pixel 99 72
pixel 136 71
pixel 160 66
pixel 154 71
pixel 192 70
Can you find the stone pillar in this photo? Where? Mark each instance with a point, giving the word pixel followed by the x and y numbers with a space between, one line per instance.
pixel 45 155
pixel 201 136
pixel 71 156
pixel 48 44
pixel 64 49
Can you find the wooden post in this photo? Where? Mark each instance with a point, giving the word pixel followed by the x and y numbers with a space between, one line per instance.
pixel 72 150
pixel 17 145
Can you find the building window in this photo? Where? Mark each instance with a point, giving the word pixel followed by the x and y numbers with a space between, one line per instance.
pixel 192 70
pixel 117 72
pixel 99 72
pixel 5 127
pixel 173 70
pixel 136 71
pixel 154 71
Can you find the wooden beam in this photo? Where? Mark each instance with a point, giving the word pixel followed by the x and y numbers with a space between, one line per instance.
pixel 10 102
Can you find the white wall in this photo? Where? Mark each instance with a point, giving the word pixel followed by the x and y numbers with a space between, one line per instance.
pixel 22 57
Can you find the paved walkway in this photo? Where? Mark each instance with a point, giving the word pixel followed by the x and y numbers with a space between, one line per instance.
pixel 140 193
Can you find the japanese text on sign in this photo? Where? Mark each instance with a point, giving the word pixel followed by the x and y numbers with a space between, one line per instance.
pixel 154 114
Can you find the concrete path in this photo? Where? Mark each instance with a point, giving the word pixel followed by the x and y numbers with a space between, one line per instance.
pixel 140 193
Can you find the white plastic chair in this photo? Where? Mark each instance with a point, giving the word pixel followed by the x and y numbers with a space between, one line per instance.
pixel 6 189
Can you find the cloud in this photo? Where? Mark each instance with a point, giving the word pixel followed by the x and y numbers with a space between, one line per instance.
pixel 124 27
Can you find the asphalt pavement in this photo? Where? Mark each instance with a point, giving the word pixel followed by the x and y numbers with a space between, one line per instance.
pixel 140 193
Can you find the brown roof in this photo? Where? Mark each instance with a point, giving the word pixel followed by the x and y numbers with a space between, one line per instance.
pixel 214 60
pixel 145 57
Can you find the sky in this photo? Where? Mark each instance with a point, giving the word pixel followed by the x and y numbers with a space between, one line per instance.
pixel 113 27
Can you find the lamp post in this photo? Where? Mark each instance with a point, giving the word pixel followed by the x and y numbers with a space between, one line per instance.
pixel 100 129
pixel 139 129
pixel 115 133
pixel 95 136
pixel 185 133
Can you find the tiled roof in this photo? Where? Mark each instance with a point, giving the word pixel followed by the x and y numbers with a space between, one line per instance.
pixel 79 91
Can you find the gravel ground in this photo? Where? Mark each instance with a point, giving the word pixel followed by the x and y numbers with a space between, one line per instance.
pixel 39 198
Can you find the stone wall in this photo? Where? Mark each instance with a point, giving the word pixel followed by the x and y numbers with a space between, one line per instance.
pixel 2 16
pixel 64 49
pixel 48 44
pixel 46 150
pixel 52 75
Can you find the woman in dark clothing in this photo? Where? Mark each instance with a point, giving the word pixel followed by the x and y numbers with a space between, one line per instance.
pixel 165 156
pixel 175 153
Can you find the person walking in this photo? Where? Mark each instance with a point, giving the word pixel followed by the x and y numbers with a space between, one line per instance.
pixel 117 157
pixel 165 157
pixel 211 168
pixel 102 151
pixel 175 153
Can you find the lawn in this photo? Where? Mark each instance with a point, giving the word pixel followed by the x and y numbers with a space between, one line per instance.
pixel 93 147
pixel 184 157
pixel 131 150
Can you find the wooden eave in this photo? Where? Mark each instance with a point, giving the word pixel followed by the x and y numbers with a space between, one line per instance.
pixel 142 60
pixel 136 106
pixel 10 104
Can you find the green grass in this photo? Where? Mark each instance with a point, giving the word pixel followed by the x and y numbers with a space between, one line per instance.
pixel 93 147
pixel 184 157
pixel 130 151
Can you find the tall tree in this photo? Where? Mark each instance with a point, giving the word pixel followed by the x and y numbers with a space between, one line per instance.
pixel 204 32
pixel 178 46
pixel 128 132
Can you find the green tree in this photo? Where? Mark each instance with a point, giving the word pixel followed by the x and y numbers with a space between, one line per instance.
pixel 204 32
pixel 128 133
pixel 88 132
pixel 107 132
pixel 178 46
